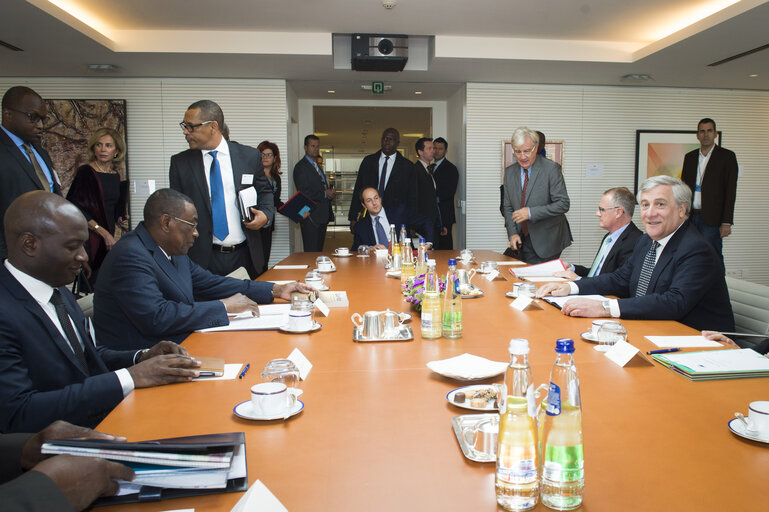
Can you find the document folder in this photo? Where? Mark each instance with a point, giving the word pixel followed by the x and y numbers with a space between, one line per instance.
pixel 295 207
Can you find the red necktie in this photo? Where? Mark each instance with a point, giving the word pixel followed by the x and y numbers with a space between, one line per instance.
pixel 524 225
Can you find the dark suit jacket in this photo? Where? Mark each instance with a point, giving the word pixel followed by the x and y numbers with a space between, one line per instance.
pixel 719 184
pixel 401 187
pixel 142 298
pixel 308 181
pixel 25 492
pixel 188 176
pixel 687 284
pixel 446 178
pixel 620 251
pixel 427 198
pixel 40 378
pixel 18 177
pixel 363 233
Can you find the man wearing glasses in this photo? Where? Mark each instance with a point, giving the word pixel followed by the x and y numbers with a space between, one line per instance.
pixel 535 202
pixel 615 215
pixel 213 172
pixel 149 289
pixel 26 166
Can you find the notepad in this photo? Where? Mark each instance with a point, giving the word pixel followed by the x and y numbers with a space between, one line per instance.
pixel 717 364
pixel 683 341
pixel 546 269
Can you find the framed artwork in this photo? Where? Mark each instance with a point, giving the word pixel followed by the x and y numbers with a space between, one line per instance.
pixel 553 151
pixel 70 124
pixel 662 152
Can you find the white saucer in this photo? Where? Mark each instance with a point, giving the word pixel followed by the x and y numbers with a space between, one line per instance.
pixel 513 294
pixel 490 406
pixel 319 288
pixel 343 255
pixel 286 328
pixel 333 269
pixel 588 336
pixel 245 410
pixel 738 427
pixel 405 317
pixel 393 273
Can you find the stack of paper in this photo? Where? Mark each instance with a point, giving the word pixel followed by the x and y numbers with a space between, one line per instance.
pixel 547 269
pixel 717 364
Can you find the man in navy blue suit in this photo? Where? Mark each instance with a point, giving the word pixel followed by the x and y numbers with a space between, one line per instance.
pixel 373 229
pixel 50 366
pixel 673 273
pixel 149 289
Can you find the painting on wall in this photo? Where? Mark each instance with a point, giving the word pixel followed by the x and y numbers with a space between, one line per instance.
pixel 70 123
pixel 553 151
pixel 662 152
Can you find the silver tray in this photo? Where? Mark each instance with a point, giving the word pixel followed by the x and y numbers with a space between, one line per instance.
pixel 466 423
pixel 405 334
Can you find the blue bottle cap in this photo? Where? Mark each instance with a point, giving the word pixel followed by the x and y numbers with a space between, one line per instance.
pixel 453 261
pixel 564 346
pixel 422 240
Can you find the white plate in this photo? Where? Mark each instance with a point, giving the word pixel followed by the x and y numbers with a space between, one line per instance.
pixel 513 294
pixel 342 255
pixel 333 269
pixel 405 317
pixel 468 367
pixel 475 292
pixel 588 336
pixel 738 427
pixel 490 406
pixel 319 288
pixel 393 273
pixel 245 410
pixel 286 328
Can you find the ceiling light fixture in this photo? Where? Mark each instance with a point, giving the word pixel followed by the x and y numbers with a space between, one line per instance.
pixel 389 4
pixel 417 92
pixel 636 77
pixel 331 91
pixel 754 75
pixel 367 87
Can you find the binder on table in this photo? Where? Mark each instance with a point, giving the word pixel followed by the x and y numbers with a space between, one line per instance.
pixel 295 207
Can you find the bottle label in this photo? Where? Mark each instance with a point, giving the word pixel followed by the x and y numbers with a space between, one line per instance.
pixel 427 319
pixel 554 400
pixel 456 286
pixel 564 463
pixel 517 464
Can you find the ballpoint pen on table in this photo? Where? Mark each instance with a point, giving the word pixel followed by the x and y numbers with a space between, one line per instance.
pixel 663 351
pixel 245 369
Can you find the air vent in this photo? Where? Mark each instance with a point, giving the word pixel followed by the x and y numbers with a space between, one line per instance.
pixel 739 55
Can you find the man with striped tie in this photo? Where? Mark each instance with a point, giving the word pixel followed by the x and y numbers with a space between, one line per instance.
pixel 673 273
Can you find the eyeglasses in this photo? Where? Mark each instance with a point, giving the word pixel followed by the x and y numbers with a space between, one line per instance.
pixel 190 127
pixel 519 152
pixel 609 208
pixel 33 117
pixel 268 154
pixel 193 225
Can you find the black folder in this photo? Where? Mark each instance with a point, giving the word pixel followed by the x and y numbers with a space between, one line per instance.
pixel 295 207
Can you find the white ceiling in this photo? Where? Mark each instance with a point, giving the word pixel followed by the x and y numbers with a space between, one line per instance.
pixel 549 41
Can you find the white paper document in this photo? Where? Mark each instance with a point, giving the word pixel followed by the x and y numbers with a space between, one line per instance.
pixel 247 200
pixel 682 341
pixel 508 262
pixel 289 267
pixel 560 301
pixel 542 270
pixel 536 279
pixel 717 361
pixel 272 317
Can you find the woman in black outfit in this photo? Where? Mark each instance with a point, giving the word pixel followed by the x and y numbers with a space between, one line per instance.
pixel 271 164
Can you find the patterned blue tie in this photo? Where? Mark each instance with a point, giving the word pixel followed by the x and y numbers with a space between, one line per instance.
pixel 598 261
pixel 646 270
pixel 380 232
pixel 218 211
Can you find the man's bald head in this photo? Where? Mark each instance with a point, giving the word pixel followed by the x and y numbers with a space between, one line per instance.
pixel 45 234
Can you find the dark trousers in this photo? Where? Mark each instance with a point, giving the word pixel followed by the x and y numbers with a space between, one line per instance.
pixel 530 256
pixel 266 235
pixel 223 263
pixel 313 235
pixel 712 234
pixel 444 242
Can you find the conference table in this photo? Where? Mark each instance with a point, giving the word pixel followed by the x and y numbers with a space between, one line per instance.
pixel 376 434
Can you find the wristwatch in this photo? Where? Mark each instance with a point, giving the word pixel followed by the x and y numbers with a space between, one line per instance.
pixel 95 227
pixel 606 306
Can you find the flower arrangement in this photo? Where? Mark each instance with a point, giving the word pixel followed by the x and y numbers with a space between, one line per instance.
pixel 415 288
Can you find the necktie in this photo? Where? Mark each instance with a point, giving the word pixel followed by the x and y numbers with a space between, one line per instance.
pixel 218 210
pixel 431 169
pixel 525 224
pixel 646 270
pixel 382 177
pixel 320 171
pixel 61 312
pixel 380 232
pixel 45 184
pixel 598 261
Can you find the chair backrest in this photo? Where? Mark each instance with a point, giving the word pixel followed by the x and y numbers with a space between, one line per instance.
pixel 750 302
pixel 239 273
pixel 86 304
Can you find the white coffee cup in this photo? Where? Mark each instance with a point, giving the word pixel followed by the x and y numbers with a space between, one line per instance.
pixel 343 251
pixel 597 325
pixel 300 320
pixel 758 417
pixel 314 282
pixel 269 399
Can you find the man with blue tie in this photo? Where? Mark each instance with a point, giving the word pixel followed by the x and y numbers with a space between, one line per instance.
pixel 310 180
pixel 25 165
pixel 615 215
pixel 373 229
pixel 212 172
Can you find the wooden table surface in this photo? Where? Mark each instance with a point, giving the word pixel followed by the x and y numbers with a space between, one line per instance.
pixel 376 434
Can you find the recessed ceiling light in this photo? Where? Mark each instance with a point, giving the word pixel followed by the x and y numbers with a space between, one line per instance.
pixel 636 77
pixel 754 75
pixel 331 91
pixel 417 92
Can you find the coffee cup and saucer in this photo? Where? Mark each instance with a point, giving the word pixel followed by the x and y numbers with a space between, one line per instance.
pixel 756 425
pixel 300 318
pixel 342 252
pixel 270 401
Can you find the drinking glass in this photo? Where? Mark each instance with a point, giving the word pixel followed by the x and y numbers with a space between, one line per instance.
pixel 283 371
pixel 610 333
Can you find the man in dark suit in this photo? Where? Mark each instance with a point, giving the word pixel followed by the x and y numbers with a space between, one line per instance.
pixel 615 215
pixel 310 180
pixel 446 178
pixel 33 482
pixel 212 172
pixel 427 197
pixel 25 165
pixel 50 366
pixel 390 173
pixel 149 289
pixel 535 202
pixel 673 273
pixel 368 232
pixel 711 174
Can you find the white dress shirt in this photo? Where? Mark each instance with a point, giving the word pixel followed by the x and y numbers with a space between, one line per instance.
pixel 236 234
pixel 702 163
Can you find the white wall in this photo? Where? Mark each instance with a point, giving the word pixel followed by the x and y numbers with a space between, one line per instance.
pixel 598 125
pixel 254 110
pixel 455 134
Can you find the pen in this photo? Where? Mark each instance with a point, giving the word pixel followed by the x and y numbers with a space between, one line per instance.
pixel 664 351
pixel 245 369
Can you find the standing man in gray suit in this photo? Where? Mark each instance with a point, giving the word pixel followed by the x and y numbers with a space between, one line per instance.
pixel 310 179
pixel 535 202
